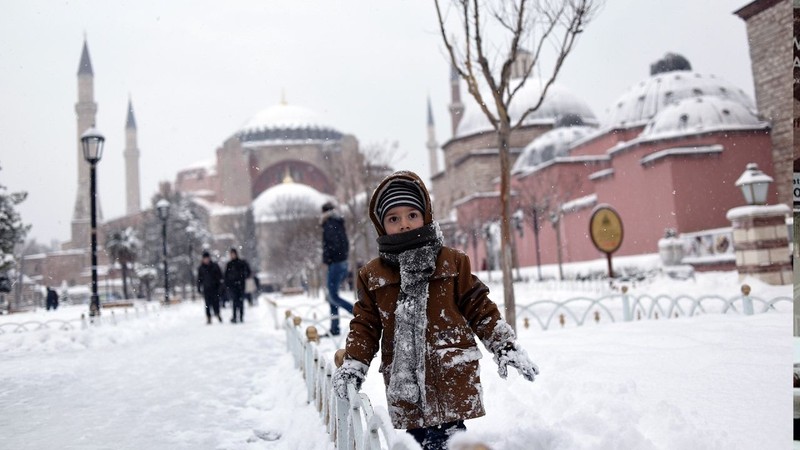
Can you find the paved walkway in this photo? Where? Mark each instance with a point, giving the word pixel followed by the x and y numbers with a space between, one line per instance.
pixel 177 383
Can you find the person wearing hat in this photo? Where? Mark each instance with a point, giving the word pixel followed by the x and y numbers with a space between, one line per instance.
pixel 421 306
pixel 335 248
pixel 209 282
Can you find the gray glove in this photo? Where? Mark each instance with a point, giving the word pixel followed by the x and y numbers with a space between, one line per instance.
pixel 513 355
pixel 350 372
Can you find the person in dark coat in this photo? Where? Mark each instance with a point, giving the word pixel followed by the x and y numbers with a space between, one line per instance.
pixel 335 247
pixel 51 301
pixel 236 272
pixel 209 283
pixel 421 306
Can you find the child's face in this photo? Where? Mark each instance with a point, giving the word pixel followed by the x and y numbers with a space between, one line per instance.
pixel 401 219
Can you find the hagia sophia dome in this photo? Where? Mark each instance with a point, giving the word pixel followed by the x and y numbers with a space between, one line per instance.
pixel 288 200
pixel 284 123
pixel 559 102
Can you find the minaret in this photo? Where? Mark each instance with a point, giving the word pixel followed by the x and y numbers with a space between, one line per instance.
pixel 85 111
pixel 432 144
pixel 131 154
pixel 456 107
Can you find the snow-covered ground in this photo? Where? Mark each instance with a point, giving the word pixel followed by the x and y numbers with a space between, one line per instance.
pixel 168 380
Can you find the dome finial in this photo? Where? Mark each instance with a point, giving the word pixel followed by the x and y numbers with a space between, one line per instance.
pixel 288 177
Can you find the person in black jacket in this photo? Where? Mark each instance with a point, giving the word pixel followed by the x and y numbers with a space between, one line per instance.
pixel 236 272
pixel 335 247
pixel 51 299
pixel 209 282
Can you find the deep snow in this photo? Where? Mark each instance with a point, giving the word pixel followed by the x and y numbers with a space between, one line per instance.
pixel 171 381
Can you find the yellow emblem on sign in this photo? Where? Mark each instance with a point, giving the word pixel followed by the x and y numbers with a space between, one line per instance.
pixel 605 229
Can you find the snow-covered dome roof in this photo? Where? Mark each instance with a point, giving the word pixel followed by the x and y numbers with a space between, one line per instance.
pixel 284 122
pixel 704 113
pixel 288 200
pixel 642 102
pixel 556 142
pixel 559 102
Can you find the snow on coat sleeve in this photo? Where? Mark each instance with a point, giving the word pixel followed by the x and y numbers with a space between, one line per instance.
pixel 481 313
pixel 363 339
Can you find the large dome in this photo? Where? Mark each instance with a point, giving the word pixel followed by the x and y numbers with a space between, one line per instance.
pixel 552 144
pixel 559 102
pixel 700 114
pixel 285 122
pixel 643 101
pixel 287 201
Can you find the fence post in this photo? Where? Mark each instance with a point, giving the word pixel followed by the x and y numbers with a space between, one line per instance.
pixel 747 302
pixel 626 305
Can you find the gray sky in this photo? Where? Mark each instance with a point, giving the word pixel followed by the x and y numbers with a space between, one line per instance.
pixel 198 70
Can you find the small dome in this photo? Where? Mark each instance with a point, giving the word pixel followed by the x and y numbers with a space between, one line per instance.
pixel 556 142
pixel 643 101
pixel 559 102
pixel 285 122
pixel 698 114
pixel 288 201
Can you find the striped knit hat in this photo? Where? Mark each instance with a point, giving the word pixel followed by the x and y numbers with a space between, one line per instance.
pixel 399 193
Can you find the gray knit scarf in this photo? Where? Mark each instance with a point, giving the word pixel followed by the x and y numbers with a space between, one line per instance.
pixel 414 253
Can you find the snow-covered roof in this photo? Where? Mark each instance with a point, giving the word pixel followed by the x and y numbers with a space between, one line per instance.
pixel 554 143
pixel 559 101
pixel 286 122
pixel 643 101
pixel 698 114
pixel 288 200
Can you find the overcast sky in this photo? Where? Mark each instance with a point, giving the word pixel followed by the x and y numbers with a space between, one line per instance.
pixel 198 70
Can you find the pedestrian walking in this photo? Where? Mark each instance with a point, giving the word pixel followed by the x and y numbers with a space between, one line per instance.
pixel 236 272
pixel 209 283
pixel 335 248
pixel 51 299
pixel 421 306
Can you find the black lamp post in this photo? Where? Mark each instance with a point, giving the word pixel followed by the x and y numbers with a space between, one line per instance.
pixel 162 207
pixel 92 144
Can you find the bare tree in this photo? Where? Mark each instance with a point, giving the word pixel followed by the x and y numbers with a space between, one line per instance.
pixel 357 176
pixel 544 195
pixel 551 28
pixel 293 246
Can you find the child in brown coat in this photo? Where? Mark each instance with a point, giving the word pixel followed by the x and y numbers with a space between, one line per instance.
pixel 420 302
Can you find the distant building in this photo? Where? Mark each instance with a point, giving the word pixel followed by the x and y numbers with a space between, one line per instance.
pixel 665 157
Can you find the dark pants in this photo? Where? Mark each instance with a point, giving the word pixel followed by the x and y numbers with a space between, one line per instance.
pixel 237 299
pixel 212 303
pixel 336 274
pixel 435 438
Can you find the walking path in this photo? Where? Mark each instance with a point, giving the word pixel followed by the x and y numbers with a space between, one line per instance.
pixel 169 381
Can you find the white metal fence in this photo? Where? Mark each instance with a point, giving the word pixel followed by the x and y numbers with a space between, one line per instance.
pixel 352 424
pixel 108 317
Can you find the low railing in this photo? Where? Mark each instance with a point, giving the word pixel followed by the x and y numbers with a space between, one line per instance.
pixel 109 317
pixel 624 307
pixel 352 424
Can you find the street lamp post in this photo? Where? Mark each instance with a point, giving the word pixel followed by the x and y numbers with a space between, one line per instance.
pixel 555 220
pixel 92 145
pixel 754 185
pixel 162 206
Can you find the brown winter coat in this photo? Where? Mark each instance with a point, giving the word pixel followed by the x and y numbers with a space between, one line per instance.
pixel 458 308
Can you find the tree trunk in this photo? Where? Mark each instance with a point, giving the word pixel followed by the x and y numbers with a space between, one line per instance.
pixel 503 133
pixel 124 279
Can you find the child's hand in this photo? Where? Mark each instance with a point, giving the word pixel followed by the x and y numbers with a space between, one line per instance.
pixel 350 372
pixel 516 357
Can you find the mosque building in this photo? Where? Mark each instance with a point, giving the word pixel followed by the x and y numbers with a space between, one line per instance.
pixel 665 157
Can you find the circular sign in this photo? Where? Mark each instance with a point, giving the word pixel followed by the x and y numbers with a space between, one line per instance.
pixel 605 229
